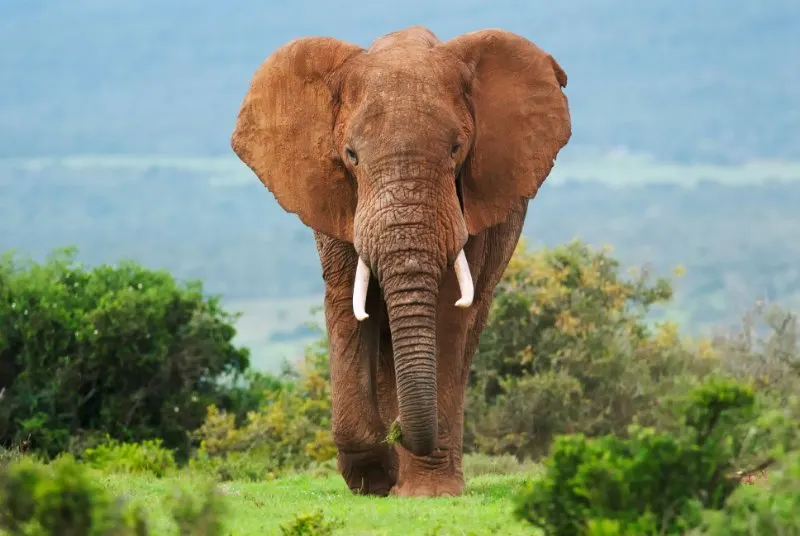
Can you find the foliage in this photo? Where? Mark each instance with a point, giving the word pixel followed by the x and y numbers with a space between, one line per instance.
pixel 652 482
pixel 146 457
pixel 198 518
pixel 567 349
pixel 252 465
pixel 119 349
pixel 767 509
pixel 766 348
pixel 395 433
pixel 290 431
pixel 310 524
pixel 62 499
pixel 66 498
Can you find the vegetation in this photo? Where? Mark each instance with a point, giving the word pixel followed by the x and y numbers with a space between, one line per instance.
pixel 582 416
pixel 659 482
pixel 116 350
pixel 736 238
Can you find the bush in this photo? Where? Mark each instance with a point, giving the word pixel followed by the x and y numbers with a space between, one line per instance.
pixel 145 457
pixel 120 350
pixel 66 498
pixel 62 499
pixel 198 518
pixel 767 509
pixel 656 482
pixel 766 348
pixel 289 432
pixel 568 349
pixel 249 466
pixel 310 524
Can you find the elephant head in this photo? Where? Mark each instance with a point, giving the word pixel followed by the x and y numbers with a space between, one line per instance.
pixel 405 149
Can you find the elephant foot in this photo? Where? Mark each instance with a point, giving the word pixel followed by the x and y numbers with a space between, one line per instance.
pixel 430 488
pixel 437 475
pixel 369 473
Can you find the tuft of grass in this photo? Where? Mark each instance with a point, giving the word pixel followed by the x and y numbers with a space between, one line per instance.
pixel 310 524
pixel 395 433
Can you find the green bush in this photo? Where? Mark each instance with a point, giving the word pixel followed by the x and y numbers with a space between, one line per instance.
pixel 656 482
pixel 62 499
pixel 249 466
pixel 289 432
pixel 310 524
pixel 66 498
pixel 568 349
pixel 198 518
pixel 145 457
pixel 769 509
pixel 118 350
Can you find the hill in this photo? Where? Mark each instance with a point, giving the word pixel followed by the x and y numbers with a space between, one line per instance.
pixel 683 81
pixel 733 228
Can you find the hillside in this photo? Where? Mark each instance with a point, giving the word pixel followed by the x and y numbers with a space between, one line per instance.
pixel 684 81
pixel 733 230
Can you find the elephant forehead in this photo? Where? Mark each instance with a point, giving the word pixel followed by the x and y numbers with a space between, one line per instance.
pixel 397 79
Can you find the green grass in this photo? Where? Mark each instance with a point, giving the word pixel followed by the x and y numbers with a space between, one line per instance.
pixel 260 508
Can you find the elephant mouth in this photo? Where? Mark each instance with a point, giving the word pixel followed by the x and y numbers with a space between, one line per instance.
pixel 461 266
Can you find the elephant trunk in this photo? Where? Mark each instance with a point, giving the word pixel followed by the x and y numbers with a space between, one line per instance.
pixel 411 304
pixel 407 237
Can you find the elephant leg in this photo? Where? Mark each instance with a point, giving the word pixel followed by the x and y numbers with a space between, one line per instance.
pixel 365 461
pixel 458 333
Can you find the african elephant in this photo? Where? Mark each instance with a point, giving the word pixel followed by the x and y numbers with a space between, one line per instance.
pixel 413 161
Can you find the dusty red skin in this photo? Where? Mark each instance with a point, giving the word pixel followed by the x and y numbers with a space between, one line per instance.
pixel 403 154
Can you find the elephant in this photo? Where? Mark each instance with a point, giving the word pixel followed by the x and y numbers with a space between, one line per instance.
pixel 413 162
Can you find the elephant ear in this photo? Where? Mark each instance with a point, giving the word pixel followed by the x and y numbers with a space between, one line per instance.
pixel 522 121
pixel 284 133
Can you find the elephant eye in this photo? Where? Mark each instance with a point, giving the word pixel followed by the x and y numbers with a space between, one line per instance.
pixel 351 155
pixel 454 149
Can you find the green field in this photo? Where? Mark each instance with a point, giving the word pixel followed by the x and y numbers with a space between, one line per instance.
pixel 261 508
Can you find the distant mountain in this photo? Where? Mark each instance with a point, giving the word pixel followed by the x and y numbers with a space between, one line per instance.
pixel 684 80
pixel 738 241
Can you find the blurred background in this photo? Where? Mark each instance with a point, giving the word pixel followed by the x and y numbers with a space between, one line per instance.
pixel 115 119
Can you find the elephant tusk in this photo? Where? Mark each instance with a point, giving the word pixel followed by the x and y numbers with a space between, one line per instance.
pixel 360 290
pixel 464 281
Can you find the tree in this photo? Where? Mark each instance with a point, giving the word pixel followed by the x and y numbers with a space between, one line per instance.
pixel 121 350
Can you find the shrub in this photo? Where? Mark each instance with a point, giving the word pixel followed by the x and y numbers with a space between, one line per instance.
pixel 766 348
pixel 115 349
pixel 66 498
pixel 653 482
pixel 145 457
pixel 567 349
pixel 770 508
pixel 62 499
pixel 250 466
pixel 310 524
pixel 198 518
pixel 290 431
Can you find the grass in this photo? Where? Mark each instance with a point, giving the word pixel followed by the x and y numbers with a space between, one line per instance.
pixel 261 508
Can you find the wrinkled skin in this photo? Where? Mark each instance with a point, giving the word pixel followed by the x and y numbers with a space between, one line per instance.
pixel 402 155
